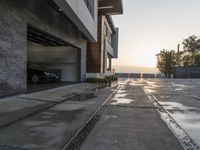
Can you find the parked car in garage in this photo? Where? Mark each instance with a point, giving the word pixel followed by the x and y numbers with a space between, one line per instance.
pixel 38 74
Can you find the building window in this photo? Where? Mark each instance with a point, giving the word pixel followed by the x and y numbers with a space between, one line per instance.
pixel 90 6
pixel 109 66
pixel 107 33
pixel 105 29
pixel 110 39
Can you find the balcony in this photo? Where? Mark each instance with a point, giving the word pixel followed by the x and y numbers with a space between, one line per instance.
pixel 115 41
pixel 112 47
pixel 110 7
pixel 108 48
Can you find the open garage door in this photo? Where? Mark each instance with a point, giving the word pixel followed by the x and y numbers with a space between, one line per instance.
pixel 52 53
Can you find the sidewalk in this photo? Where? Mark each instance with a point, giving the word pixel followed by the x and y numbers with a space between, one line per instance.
pixel 48 119
pixel 17 107
pixel 131 122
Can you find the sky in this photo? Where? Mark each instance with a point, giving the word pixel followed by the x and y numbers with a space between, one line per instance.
pixel 148 26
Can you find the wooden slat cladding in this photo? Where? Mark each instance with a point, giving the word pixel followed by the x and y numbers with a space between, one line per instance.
pixel 107 7
pixel 94 51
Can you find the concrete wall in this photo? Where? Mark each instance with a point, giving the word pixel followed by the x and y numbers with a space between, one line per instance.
pixel 63 58
pixel 12 51
pixel 122 75
pixel 148 75
pixel 14 17
pixel 78 12
pixel 187 72
pixel 135 75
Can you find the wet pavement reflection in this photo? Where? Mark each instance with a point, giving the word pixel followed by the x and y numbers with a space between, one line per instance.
pixel 83 97
pixel 177 98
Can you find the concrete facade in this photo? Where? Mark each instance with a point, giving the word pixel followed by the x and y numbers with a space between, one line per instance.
pixel 14 18
pixel 100 54
pixel 78 12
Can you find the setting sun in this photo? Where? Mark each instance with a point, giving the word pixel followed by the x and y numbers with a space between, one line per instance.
pixel 144 59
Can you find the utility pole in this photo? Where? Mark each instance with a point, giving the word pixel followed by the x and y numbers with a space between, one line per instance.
pixel 166 63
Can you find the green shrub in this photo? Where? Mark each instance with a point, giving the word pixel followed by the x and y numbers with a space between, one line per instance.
pixel 91 80
pixel 105 80
pixel 112 78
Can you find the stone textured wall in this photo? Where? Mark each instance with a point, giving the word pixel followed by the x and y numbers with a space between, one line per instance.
pixel 187 72
pixel 14 17
pixel 12 51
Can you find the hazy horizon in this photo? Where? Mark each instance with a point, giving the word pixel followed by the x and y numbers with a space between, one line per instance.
pixel 148 26
pixel 134 69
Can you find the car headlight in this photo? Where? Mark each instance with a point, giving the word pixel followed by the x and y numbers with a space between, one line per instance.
pixel 46 73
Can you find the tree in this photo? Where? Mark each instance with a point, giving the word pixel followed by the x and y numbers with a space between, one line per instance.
pixel 191 59
pixel 191 44
pixel 187 60
pixel 166 61
pixel 196 57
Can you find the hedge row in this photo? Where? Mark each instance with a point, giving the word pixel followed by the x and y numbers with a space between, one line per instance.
pixel 107 79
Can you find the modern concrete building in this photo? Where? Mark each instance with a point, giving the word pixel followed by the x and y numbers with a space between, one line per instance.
pixel 100 54
pixel 52 33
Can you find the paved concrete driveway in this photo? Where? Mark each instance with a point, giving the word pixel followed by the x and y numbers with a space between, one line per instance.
pixel 131 122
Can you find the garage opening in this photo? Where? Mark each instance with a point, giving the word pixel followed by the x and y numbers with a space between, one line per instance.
pixel 51 62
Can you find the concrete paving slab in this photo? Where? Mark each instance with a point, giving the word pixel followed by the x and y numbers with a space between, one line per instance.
pixel 61 93
pixel 164 90
pixel 46 85
pixel 174 87
pixel 193 92
pixel 47 130
pixel 92 97
pixel 17 107
pixel 13 108
pixel 51 129
pixel 132 96
pixel 125 128
pixel 183 99
pixel 9 148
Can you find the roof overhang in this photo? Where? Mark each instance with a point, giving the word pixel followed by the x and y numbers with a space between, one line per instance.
pixel 75 11
pixel 111 23
pixel 110 7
